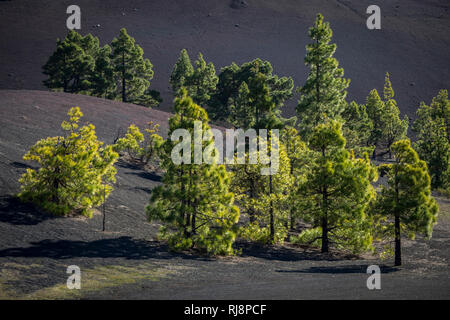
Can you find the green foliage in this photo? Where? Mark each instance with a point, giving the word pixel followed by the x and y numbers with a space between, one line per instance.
pixel 79 65
pixel 132 72
pixel 74 173
pixel 298 155
pixel 102 78
pixel 407 196
pixel 357 128
pixel 264 198
pixel 392 127
pixel 200 82
pixel 432 143
pixel 375 109
pixel 69 68
pixel 231 100
pixel 337 190
pixel 324 92
pixel 311 237
pixel 194 203
pixel 137 147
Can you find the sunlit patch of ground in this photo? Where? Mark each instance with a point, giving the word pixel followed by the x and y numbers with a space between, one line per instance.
pixel 93 280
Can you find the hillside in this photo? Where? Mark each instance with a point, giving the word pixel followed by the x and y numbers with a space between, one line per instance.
pixel 126 262
pixel 413 44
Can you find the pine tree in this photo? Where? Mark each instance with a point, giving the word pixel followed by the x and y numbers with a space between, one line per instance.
pixel 69 68
pixel 200 82
pixel 357 128
pixel 194 203
pixel 375 109
pixel 337 191
pixel 297 153
pixel 325 89
pixel 181 72
pixel 393 128
pixel 132 71
pixel 407 196
pixel 74 173
pixel 228 98
pixel 102 79
pixel 432 143
pixel 264 198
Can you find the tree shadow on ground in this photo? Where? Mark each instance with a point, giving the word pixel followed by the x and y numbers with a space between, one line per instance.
pixel 139 171
pixel 284 253
pixel 122 247
pixel 340 269
pixel 14 211
pixel 21 165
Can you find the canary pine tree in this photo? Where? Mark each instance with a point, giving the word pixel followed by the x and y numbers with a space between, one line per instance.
pixel 76 170
pixel 325 89
pixel 70 67
pixel 337 191
pixel 229 96
pixel 392 127
pixel 200 82
pixel 433 143
pixel 132 71
pixel 102 79
pixel 406 198
pixel 375 109
pixel 194 202
pixel 357 128
pixel 297 153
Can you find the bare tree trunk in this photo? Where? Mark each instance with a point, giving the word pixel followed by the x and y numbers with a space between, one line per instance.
pixel 398 247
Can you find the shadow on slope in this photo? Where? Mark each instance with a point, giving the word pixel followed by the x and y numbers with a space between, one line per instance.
pixel 15 212
pixel 340 269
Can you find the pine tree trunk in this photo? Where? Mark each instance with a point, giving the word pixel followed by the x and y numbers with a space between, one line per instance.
pixel 124 96
pixel 324 235
pixel 398 248
pixel 272 224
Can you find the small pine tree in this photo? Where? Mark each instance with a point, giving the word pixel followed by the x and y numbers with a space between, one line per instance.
pixel 393 128
pixel 407 196
pixel 132 71
pixel 75 170
pixel 297 152
pixel 194 203
pixel 325 89
pixel 181 72
pixel 433 145
pixel 337 191
pixel 137 147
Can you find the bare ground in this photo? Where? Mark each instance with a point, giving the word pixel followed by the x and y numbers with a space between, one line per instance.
pixel 413 43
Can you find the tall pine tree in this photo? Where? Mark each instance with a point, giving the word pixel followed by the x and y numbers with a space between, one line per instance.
pixel 132 71
pixel 194 203
pixel 325 89
pixel 337 191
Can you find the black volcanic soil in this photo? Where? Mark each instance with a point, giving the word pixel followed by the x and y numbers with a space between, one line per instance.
pixel 413 43
pixel 127 262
